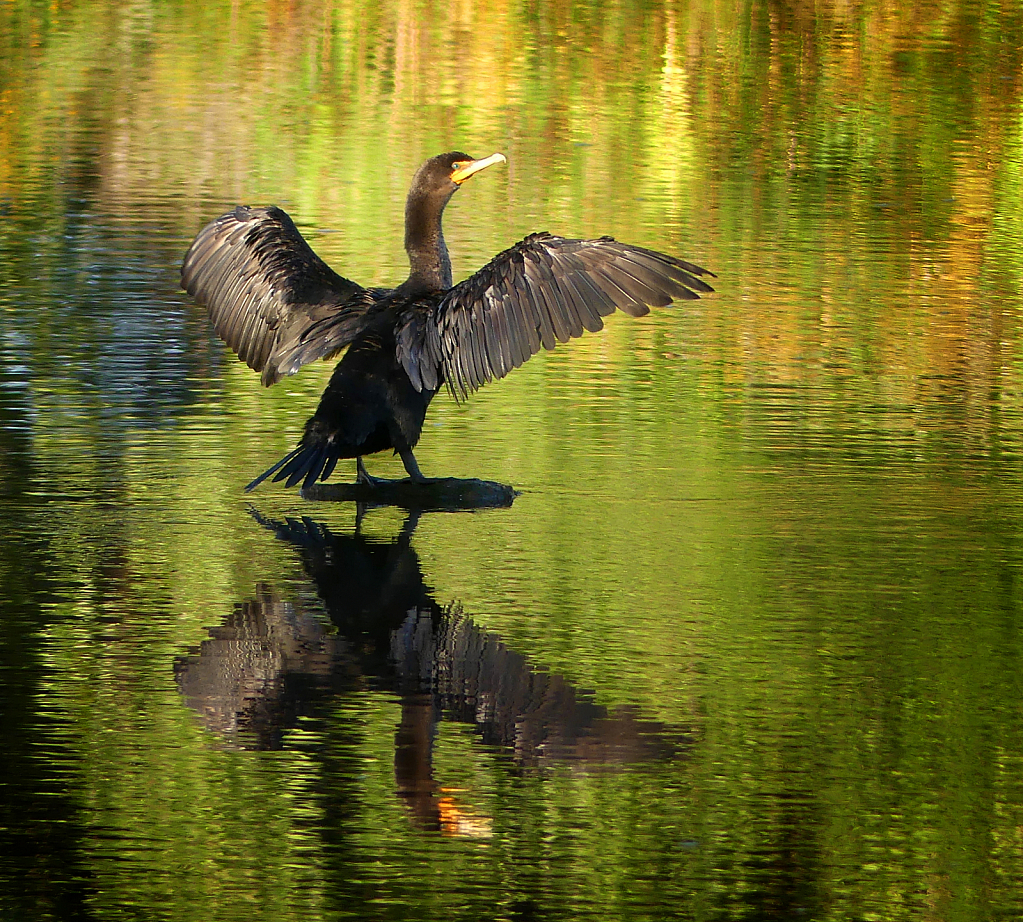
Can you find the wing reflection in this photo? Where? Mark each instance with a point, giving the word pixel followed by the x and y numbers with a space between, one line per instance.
pixel 272 661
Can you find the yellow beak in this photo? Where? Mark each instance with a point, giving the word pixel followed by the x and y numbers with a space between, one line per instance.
pixel 468 168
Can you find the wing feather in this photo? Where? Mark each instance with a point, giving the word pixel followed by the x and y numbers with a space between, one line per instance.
pixel 582 300
pixel 492 352
pixel 503 331
pixel 544 328
pixel 603 277
pixel 476 344
pixel 595 296
pixel 564 324
pixel 270 297
pixel 632 282
pixel 521 337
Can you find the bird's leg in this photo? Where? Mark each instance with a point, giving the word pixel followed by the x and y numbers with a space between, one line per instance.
pixel 362 475
pixel 409 460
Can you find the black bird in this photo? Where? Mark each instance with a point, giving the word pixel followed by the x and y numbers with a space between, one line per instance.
pixel 279 306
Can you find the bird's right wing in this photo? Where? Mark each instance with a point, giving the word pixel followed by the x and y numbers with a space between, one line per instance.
pixel 271 298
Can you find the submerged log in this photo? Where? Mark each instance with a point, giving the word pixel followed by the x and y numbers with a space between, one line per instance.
pixel 437 493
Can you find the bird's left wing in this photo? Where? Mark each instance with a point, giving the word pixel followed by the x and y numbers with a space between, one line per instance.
pixel 542 291
pixel 271 298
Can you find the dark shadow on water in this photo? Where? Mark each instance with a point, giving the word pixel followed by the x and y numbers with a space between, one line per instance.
pixel 273 661
pixel 42 872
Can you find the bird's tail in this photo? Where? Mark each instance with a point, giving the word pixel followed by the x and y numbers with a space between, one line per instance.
pixel 311 462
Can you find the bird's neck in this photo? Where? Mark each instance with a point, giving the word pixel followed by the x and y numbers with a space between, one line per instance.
pixel 429 263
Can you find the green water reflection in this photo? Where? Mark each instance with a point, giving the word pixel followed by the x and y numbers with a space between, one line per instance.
pixel 778 528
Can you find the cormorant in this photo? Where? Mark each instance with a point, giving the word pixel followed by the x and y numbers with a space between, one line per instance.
pixel 279 306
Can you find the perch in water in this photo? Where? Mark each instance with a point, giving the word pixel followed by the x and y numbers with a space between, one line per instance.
pixel 279 306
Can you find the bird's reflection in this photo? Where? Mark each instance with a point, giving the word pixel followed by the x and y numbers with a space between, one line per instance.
pixel 273 660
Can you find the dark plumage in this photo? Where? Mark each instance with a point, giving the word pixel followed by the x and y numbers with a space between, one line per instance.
pixel 279 306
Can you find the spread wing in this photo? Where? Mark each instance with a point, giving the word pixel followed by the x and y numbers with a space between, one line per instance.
pixel 540 292
pixel 271 298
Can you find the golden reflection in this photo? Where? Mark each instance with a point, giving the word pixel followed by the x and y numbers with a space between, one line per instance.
pixel 458 820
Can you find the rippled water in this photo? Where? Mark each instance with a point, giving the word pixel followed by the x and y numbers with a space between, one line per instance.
pixel 746 645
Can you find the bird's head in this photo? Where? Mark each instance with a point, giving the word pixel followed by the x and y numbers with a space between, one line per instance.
pixel 443 174
pixel 432 187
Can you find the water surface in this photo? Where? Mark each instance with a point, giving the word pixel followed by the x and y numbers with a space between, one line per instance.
pixel 747 645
